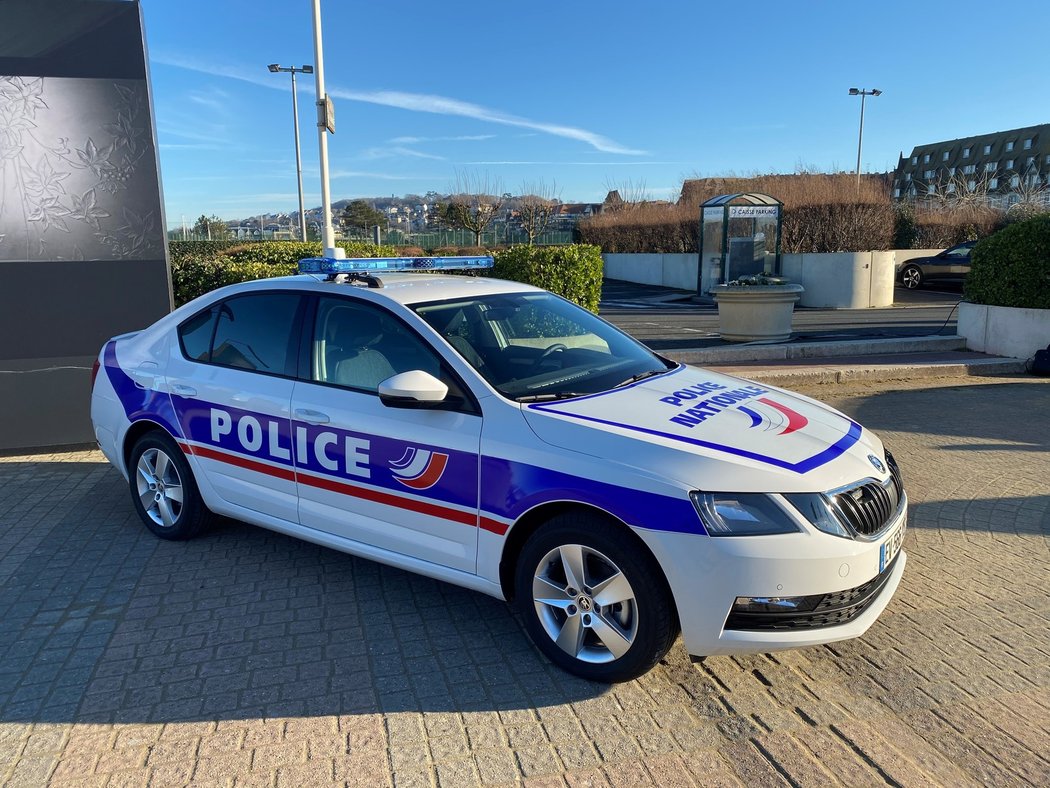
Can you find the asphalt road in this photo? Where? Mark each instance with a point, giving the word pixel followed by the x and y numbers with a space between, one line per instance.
pixel 665 319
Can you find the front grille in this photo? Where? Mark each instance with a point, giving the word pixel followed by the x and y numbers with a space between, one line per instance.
pixel 830 611
pixel 868 508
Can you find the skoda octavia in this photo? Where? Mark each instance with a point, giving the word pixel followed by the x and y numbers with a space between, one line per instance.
pixel 493 435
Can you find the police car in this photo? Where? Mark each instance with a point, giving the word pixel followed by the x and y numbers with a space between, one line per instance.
pixel 493 435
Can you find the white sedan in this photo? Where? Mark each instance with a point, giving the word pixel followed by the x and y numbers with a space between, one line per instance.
pixel 493 435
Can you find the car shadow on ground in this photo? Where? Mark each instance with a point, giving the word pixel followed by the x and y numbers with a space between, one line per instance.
pixel 1014 414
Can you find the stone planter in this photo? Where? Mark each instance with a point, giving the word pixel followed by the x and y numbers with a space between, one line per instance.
pixel 755 313
pixel 1004 330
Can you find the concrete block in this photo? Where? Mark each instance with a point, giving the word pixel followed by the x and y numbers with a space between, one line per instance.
pixel 1004 331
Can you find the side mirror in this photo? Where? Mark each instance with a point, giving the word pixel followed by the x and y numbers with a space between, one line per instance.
pixel 412 389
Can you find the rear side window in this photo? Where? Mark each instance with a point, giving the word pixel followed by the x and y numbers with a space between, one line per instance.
pixel 257 332
pixel 195 336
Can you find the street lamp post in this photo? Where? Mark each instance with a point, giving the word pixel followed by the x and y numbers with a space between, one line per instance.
pixel 860 139
pixel 325 126
pixel 274 68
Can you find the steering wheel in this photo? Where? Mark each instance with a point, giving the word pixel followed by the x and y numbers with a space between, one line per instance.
pixel 547 352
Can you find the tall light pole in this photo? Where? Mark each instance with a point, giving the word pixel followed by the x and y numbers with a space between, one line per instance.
pixel 325 125
pixel 274 68
pixel 860 139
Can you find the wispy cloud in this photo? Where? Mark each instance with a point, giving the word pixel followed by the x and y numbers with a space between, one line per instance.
pixel 203 119
pixel 417 102
pixel 190 145
pixel 213 135
pixel 646 163
pixel 382 176
pixel 255 199
pixel 389 153
pixel 456 138
pixel 213 98
pixel 232 177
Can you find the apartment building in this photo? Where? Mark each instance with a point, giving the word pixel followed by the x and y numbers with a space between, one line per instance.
pixel 1001 169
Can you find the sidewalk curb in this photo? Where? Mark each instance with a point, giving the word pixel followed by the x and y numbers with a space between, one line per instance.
pixel 832 374
pixel 801 350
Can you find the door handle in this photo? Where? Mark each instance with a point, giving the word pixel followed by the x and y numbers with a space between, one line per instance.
pixel 183 390
pixel 311 416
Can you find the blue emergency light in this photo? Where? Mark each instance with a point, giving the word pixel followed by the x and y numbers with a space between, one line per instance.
pixel 331 266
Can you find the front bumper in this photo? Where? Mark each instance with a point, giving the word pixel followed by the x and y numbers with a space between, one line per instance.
pixel 707 574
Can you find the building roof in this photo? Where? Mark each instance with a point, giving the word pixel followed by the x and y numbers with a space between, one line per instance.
pixel 1040 133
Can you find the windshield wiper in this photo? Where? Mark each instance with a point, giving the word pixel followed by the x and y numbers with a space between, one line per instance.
pixel 640 376
pixel 549 397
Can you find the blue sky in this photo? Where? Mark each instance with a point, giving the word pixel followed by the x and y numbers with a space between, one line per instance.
pixel 587 95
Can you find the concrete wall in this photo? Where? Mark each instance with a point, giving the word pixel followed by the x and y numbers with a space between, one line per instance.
pixel 844 280
pixel 668 270
pixel 1004 331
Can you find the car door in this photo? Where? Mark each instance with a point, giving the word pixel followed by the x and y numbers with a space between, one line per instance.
pixel 936 268
pixel 958 258
pixel 401 479
pixel 230 378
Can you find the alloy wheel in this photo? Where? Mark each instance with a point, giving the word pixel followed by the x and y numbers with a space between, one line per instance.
pixel 159 487
pixel 585 603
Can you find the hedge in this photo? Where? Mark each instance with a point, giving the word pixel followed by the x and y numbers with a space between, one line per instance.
pixel 199 250
pixel 1012 267
pixel 200 270
pixel 805 229
pixel 573 272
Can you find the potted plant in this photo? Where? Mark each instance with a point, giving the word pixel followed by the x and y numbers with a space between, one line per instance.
pixel 756 308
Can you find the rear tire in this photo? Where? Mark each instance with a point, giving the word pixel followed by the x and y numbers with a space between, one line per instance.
pixel 594 600
pixel 163 489
pixel 911 277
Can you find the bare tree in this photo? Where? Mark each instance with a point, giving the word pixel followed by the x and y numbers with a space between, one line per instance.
pixel 537 207
pixel 630 194
pixel 1031 194
pixel 474 203
pixel 961 191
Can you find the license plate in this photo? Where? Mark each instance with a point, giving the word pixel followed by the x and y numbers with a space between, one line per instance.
pixel 888 550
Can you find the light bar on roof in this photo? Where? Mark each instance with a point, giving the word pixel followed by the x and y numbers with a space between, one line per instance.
pixel 380 265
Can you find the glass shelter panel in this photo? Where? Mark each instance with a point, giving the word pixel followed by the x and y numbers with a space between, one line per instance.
pixel 752 240
pixel 711 253
pixel 739 236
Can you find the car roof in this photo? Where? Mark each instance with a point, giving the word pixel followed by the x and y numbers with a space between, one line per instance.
pixel 403 289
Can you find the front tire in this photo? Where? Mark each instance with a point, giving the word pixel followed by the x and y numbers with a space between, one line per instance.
pixel 594 600
pixel 911 277
pixel 163 490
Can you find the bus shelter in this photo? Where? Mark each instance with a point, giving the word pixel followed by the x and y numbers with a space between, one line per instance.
pixel 739 236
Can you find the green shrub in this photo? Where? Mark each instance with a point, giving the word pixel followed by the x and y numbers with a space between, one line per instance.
pixel 199 250
pixel 200 270
pixel 904 230
pixel 194 277
pixel 574 272
pixel 1012 267
pixel 271 252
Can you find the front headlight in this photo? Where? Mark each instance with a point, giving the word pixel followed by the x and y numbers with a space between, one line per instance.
pixel 742 514
pixel 814 507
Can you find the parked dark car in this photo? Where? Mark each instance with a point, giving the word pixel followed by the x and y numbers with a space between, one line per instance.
pixel 953 263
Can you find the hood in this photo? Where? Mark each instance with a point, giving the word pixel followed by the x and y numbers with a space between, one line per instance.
pixel 714 432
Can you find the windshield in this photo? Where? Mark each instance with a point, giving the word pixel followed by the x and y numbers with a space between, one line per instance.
pixel 536 346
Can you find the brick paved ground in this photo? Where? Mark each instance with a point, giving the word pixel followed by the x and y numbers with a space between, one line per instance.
pixel 248 658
